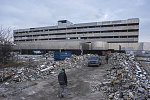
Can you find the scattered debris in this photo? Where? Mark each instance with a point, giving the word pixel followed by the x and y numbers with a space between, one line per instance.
pixel 20 74
pixel 126 79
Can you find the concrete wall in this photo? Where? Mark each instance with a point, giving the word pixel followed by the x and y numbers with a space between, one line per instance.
pixel 87 45
pixel 124 46
pixel 49 45
pixel 99 45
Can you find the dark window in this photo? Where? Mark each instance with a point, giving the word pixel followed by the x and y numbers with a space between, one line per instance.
pixel 35 35
pixel 28 35
pixel 120 24
pixel 120 30
pixel 93 37
pixel 97 32
pixel 71 28
pixel 58 38
pixel 23 32
pixel 123 36
pixel 84 37
pixel 60 34
pixel 29 40
pixel 106 31
pixel 53 29
pixel 61 29
pixel 80 32
pixel 98 26
pixel 79 27
pixel 107 26
pixel 133 30
pixel 63 21
pixel 44 34
pixel 116 36
pixel 32 28
pixel 85 27
pixel 71 33
pixel 107 37
pixel 73 38
pixel 133 36
pixel 36 31
pixel 21 40
pixel 91 27
pixel 44 39
pixel 130 24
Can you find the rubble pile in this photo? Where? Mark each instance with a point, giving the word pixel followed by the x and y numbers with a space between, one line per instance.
pixel 125 80
pixel 75 61
pixel 41 71
pixel 14 79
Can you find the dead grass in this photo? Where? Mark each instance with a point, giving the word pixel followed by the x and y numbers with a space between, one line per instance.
pixel 11 64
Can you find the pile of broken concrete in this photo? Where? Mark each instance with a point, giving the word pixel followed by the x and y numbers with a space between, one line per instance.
pixel 126 79
pixel 42 71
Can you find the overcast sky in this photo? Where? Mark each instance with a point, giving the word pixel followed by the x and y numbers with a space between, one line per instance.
pixel 39 13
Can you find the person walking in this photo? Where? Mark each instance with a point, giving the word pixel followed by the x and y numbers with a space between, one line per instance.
pixel 62 79
pixel 106 58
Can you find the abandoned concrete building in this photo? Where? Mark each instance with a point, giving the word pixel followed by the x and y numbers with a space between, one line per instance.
pixel 106 35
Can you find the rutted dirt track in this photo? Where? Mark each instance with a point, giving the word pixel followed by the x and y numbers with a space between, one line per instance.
pixel 80 83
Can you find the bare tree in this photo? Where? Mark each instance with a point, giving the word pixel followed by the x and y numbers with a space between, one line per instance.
pixel 6 40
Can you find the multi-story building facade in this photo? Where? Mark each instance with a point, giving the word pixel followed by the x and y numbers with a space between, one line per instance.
pixel 66 35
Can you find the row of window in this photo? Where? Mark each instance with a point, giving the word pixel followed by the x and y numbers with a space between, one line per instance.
pixel 69 28
pixel 96 37
pixel 109 31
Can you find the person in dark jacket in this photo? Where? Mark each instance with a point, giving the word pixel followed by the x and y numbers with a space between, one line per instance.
pixel 106 58
pixel 62 79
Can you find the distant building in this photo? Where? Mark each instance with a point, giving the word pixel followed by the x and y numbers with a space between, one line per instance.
pixel 120 34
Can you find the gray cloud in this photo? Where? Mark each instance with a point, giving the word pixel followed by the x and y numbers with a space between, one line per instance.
pixel 37 13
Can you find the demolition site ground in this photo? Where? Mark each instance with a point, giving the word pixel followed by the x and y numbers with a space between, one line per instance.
pixel 79 86
pixel 80 81
pixel 123 78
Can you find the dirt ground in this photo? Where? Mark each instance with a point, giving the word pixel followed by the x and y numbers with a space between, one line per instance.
pixel 80 82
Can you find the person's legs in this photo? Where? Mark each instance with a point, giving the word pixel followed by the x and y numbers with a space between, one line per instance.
pixel 61 90
pixel 64 90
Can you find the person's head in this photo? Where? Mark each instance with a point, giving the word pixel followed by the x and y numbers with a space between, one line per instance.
pixel 62 71
pixel 63 68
